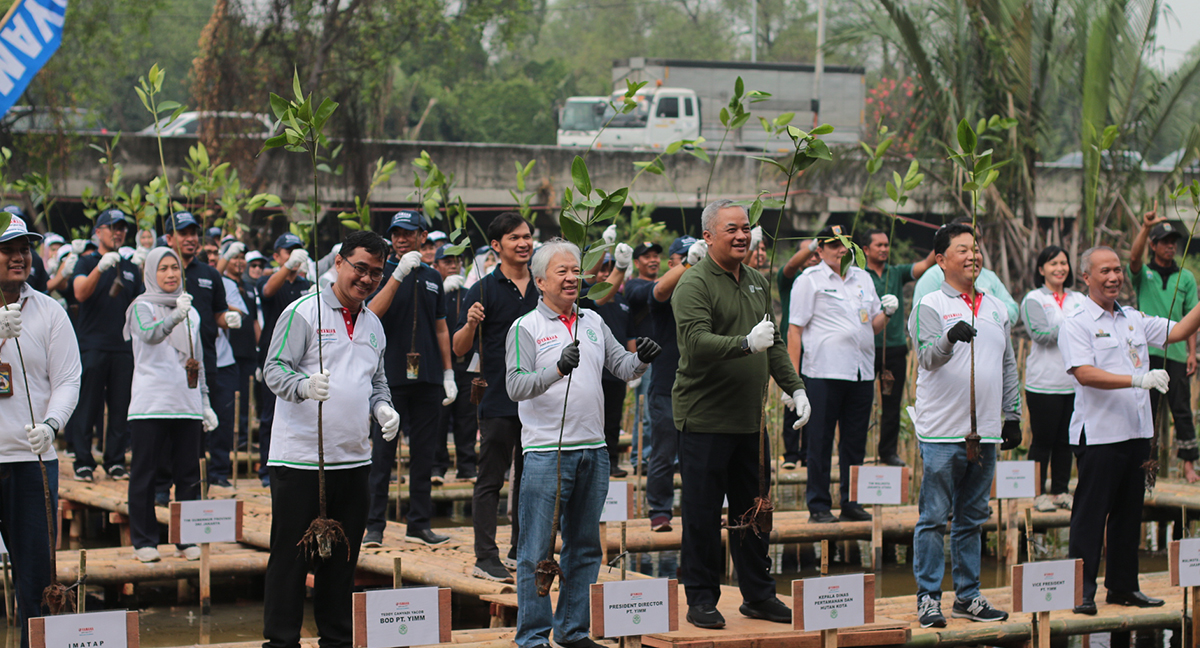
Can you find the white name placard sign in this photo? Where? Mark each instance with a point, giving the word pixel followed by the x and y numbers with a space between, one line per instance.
pixel 880 484
pixel 109 629
pixel 1047 586
pixel 619 502
pixel 831 602
pixel 410 616
pixel 636 607
pixel 1015 479
pixel 199 521
pixel 1185 562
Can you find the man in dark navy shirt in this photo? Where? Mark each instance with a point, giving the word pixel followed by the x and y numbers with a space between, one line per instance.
pixel 615 314
pixel 490 307
pixel 276 292
pixel 105 284
pixel 412 307
pixel 457 419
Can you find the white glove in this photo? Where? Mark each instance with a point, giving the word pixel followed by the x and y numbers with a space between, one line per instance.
pixel 210 418
pixel 52 264
pixel 762 336
pixel 233 320
pixel 698 251
pixel 453 282
pixel 389 420
pixel 10 321
pixel 407 264
pixel 756 235
pixel 298 258
pixel 316 386
pixel 799 403
pixel 68 264
pixel 889 304
pixel 108 261
pixel 635 383
pixel 1153 379
pixel 813 245
pixel 78 246
pixel 40 437
pixel 183 304
pixel 258 374
pixel 450 386
pixel 610 234
pixel 623 256
pixel 234 249
pixel 139 257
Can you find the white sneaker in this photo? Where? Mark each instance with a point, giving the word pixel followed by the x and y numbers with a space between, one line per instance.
pixel 147 554
pixel 1064 501
pixel 191 553
pixel 1044 504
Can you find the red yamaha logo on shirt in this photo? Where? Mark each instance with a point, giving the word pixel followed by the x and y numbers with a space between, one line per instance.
pixel 548 338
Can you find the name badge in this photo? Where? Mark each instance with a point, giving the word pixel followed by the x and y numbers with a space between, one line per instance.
pixel 6 381
pixel 1133 355
pixel 862 315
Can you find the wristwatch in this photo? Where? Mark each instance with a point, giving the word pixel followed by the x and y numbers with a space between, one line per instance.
pixel 746 345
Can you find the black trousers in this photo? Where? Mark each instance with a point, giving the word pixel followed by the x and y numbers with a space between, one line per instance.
pixel 294 505
pixel 23 525
pixel 841 411
pixel 1179 396
pixel 418 403
pixel 266 414
pixel 246 369
pixel 173 444
pixel 220 440
pixel 1050 423
pixel 458 420
pixel 1108 505
pixel 107 378
pixel 889 416
pixel 714 466
pixel 614 407
pixel 499 448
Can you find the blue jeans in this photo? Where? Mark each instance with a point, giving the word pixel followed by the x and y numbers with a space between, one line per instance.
pixel 641 395
pixel 584 489
pixel 660 479
pixel 23 511
pixel 951 484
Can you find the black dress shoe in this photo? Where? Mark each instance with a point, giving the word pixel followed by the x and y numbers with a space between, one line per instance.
pixel 1088 607
pixel 771 609
pixel 854 513
pixel 583 642
pixel 893 460
pixel 822 517
pixel 705 616
pixel 1134 599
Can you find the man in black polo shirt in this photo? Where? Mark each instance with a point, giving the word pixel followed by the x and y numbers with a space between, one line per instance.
pixel 105 284
pixel 412 308
pixel 490 307
pixel 639 291
pixel 457 419
pixel 276 292
pixel 615 314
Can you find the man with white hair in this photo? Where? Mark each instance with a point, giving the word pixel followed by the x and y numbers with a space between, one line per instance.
pixel 1105 347
pixel 729 349
pixel 564 457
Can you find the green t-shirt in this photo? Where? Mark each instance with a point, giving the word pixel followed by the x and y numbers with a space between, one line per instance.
pixel 1155 299
pixel 892 283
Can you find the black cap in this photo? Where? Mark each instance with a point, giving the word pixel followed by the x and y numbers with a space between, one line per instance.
pixel 110 216
pixel 646 248
pixel 831 232
pixel 181 220
pixel 1164 230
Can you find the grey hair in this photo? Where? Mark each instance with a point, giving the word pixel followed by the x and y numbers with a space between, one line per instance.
pixel 549 250
pixel 708 217
pixel 1085 259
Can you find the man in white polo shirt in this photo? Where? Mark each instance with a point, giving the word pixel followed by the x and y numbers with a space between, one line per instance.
pixel 943 325
pixel 833 321
pixel 1105 347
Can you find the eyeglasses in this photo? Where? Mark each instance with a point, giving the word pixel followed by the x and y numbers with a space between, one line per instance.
pixel 363 270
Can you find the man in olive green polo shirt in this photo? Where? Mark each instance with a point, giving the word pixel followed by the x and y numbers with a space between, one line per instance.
pixel 728 351
pixel 1161 284
pixel 891 345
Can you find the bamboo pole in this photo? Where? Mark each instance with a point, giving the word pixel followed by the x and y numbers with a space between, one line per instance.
pixel 1195 592
pixel 1042 634
pixel 81 600
pixel 205 551
pixel 825 557
pixel 397 573
pixel 877 538
pixel 8 593
pixel 624 558
pixel 829 638
pixel 250 425
pixel 237 418
pixel 604 543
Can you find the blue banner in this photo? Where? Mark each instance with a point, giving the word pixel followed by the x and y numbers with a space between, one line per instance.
pixel 30 33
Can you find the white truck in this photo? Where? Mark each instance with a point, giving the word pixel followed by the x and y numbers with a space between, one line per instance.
pixel 580 119
pixel 683 100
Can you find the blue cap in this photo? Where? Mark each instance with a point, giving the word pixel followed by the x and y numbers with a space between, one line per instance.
pixel 18 229
pixel 681 245
pixel 214 233
pixel 181 220
pixel 407 219
pixel 15 211
pixel 483 249
pixel 160 242
pixel 288 241
pixel 441 253
pixel 109 216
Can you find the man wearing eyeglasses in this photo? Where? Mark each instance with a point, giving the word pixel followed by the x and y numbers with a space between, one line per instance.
pixel 412 307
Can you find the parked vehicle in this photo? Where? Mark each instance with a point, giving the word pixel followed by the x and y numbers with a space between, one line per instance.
pixel 41 119
pixel 1125 159
pixel 580 119
pixel 1169 163
pixel 242 124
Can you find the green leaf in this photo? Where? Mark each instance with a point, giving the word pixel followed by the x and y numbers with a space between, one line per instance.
pixel 991 177
pixel 966 137
pixel 766 125
pixel 674 147
pixel 819 150
pixel 823 129
pixel 651 166
pixel 593 256
pixel 725 117
pixel 324 111
pixel 572 230
pixel 770 161
pixel 699 153
pixel 883 147
pixel 860 259
pixel 784 119
pixel 892 193
pixel 351 224
pixel 755 212
pixel 275 142
pixel 796 134
pixel 845 263
pixel 739 121
pixel 1110 136
pixel 142 95
pixel 279 106
pixel 970 186
pixel 296 85
pixel 739 87
pixel 914 182
pixel 981 126
pixel 5 219
pixel 167 105
pixel 599 291
pixel 579 174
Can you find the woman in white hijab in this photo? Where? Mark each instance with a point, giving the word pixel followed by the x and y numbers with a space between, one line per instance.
pixel 169 409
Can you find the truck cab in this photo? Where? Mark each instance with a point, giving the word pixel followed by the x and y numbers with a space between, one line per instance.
pixel 662 116
pixel 580 119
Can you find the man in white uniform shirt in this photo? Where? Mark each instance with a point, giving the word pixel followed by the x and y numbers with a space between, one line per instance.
pixel 943 324
pixel 833 321
pixel 46 375
pixel 1105 347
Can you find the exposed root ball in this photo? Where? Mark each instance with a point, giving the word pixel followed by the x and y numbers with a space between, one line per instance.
pixel 543 576
pixel 759 518
pixel 59 599
pixel 886 382
pixel 322 536
pixel 973 447
pixel 478 385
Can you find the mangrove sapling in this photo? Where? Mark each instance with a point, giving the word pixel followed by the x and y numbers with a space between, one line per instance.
pixel 57 597
pixel 733 117
pixel 897 190
pixel 576 218
pixel 304 132
pixel 655 166
pixel 807 149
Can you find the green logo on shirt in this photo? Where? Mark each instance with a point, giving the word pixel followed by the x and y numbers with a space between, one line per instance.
pixel 996 316
pixel 374 342
pixel 591 335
